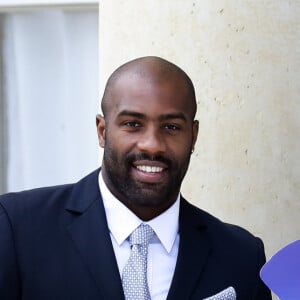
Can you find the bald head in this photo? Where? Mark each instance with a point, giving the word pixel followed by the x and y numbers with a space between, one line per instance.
pixel 154 70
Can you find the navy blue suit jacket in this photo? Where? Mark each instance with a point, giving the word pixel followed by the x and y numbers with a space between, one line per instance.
pixel 55 244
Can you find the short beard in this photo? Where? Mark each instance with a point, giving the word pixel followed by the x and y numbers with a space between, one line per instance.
pixel 128 191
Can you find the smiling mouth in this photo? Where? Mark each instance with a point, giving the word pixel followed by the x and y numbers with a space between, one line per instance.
pixel 150 169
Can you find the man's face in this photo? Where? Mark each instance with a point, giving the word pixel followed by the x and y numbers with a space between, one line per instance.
pixel 148 135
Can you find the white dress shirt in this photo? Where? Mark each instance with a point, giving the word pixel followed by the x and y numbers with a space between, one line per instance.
pixel 163 248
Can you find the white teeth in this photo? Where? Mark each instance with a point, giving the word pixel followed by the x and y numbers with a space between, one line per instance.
pixel 150 169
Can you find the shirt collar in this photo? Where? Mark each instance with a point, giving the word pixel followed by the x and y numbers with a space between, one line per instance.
pixel 165 225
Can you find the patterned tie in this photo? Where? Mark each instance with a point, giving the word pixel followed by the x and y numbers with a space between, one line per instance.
pixel 134 278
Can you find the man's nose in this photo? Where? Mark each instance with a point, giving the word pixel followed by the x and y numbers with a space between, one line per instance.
pixel 152 141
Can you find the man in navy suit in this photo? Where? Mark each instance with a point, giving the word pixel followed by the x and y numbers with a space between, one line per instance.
pixel 72 241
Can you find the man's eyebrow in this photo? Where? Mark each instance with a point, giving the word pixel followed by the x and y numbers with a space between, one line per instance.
pixel 162 117
pixel 129 113
pixel 171 116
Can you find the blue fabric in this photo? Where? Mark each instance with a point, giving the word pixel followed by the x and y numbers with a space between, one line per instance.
pixel 282 272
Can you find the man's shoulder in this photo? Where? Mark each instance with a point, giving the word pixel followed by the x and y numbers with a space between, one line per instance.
pixel 43 197
pixel 221 232
pixel 34 197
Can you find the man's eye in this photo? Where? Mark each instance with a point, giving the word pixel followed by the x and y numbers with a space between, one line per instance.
pixel 171 127
pixel 132 124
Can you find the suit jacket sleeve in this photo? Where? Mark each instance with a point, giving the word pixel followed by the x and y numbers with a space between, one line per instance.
pixel 9 278
pixel 262 292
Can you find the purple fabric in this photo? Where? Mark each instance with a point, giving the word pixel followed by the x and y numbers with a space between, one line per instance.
pixel 282 272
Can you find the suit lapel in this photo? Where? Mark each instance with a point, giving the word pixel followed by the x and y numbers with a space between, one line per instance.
pixel 194 249
pixel 90 234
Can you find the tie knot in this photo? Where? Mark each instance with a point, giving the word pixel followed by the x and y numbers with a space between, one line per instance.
pixel 141 235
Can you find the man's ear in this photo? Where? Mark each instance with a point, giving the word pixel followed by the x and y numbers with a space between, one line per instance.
pixel 100 123
pixel 195 132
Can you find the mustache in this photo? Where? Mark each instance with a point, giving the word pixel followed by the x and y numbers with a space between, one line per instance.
pixel 145 156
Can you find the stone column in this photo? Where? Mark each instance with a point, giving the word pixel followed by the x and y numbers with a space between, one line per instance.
pixel 244 59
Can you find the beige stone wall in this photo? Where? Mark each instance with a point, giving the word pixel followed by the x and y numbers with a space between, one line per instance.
pixel 244 58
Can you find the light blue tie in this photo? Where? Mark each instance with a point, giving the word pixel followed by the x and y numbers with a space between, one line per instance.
pixel 134 277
